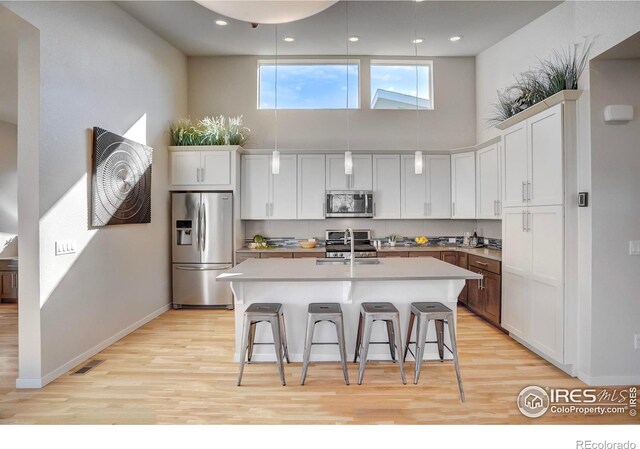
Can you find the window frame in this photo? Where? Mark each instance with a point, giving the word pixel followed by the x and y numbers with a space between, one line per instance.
pixel 405 62
pixel 311 61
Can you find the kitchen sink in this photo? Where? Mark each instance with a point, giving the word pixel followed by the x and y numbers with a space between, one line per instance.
pixel 367 261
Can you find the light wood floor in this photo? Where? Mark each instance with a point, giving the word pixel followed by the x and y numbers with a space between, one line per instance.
pixel 179 369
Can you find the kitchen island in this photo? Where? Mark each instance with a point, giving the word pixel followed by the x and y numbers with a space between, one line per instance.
pixel 297 282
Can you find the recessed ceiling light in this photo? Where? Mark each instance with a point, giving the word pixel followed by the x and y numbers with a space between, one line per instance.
pixel 418 41
pixel 288 39
pixel 354 39
pixel 455 38
pixel 221 22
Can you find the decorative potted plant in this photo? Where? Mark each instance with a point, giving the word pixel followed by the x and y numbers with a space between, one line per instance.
pixel 209 131
pixel 554 76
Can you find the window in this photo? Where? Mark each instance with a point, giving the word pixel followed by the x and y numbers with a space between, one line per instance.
pixel 316 84
pixel 394 84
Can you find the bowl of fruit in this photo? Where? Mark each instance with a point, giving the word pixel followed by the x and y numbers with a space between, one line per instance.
pixel 422 240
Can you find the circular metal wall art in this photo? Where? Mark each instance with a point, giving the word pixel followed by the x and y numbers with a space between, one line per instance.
pixel 121 180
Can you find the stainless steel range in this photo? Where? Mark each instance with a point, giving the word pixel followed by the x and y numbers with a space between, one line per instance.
pixel 339 244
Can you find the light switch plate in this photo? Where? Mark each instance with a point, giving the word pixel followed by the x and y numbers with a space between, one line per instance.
pixel 452 240
pixel 65 247
pixel 634 247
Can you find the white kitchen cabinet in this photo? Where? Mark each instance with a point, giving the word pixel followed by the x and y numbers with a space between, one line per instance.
pixel 216 167
pixel 426 195
pixel 204 167
pixel 413 189
pixel 488 190
pixel 534 160
pixel 546 304
pixel 185 168
pixel 437 169
pixel 463 185
pixel 256 171
pixel 265 195
pixel 386 186
pixel 545 159
pixel 283 189
pixel 532 274
pixel 361 179
pixel 311 186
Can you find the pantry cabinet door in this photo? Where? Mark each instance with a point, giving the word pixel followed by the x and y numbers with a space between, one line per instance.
pixel 283 188
pixel 438 173
pixel 255 199
pixel 516 267
pixel 386 186
pixel 413 189
pixel 463 185
pixel 546 311
pixel 546 161
pixel 185 168
pixel 488 182
pixel 514 166
pixel 311 186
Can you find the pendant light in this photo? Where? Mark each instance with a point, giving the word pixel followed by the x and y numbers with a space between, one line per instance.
pixel 275 156
pixel 348 158
pixel 418 154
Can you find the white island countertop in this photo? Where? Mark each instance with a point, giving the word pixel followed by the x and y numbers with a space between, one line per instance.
pixel 306 270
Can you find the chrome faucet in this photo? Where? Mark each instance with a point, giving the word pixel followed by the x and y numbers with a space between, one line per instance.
pixel 353 244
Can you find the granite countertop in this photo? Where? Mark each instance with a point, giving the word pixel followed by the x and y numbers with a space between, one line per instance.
pixel 494 254
pixel 301 270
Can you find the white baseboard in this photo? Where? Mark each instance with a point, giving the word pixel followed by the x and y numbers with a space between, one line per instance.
pixel 608 381
pixel 47 378
pixel 569 369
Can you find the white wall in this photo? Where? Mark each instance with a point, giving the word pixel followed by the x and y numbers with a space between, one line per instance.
pixel 615 161
pixel 228 86
pixel 99 67
pixel 608 23
pixel 8 179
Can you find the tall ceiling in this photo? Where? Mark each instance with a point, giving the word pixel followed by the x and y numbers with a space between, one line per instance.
pixel 8 67
pixel 384 28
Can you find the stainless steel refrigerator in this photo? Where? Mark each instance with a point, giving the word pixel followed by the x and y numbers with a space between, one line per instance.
pixel 202 248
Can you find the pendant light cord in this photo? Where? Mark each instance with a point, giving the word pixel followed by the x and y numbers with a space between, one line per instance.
pixel 415 46
pixel 275 109
pixel 347 40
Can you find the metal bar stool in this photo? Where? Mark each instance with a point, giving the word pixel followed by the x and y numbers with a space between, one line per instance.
pixel 441 314
pixel 318 312
pixel 257 313
pixel 378 311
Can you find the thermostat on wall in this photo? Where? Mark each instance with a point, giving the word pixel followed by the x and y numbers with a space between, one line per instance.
pixel 618 113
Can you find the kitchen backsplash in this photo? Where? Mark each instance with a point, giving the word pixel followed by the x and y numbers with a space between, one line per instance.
pixel 380 229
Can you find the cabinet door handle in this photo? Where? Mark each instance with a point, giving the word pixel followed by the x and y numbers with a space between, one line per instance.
pixel 271 209
pixel 482 263
pixel 524 186
pixel 374 208
pixel 528 221
pixel 202 174
pixel 524 225
pixel 529 191
pixel 267 205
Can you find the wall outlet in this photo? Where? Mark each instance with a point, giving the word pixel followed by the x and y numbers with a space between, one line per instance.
pixel 637 341
pixel 634 247
pixel 65 247
pixel 452 240
pixel 486 241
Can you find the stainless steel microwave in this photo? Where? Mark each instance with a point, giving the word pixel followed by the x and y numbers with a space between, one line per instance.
pixel 349 203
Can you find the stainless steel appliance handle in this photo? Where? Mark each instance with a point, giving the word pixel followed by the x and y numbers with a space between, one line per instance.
pixel 204 227
pixel 184 268
pixel 366 204
pixel 198 230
